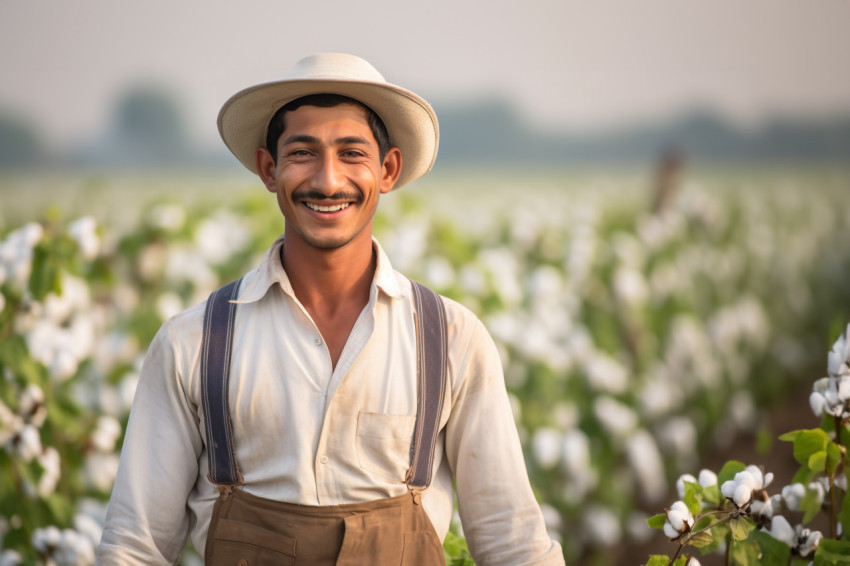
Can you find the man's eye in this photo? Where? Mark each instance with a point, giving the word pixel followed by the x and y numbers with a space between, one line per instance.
pixel 352 153
pixel 298 153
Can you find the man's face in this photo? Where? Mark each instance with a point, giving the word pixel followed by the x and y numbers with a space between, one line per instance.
pixel 328 175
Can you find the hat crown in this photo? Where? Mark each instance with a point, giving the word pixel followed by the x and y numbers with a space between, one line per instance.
pixel 334 66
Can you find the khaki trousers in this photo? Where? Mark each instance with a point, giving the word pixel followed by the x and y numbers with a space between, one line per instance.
pixel 247 530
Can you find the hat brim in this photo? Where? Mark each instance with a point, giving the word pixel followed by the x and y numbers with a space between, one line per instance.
pixel 410 120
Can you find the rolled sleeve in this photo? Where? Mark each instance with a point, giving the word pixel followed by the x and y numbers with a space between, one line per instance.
pixel 148 518
pixel 501 518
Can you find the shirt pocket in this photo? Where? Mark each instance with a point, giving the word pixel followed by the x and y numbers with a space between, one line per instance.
pixel 383 444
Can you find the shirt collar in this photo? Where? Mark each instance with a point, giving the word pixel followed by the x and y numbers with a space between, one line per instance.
pixel 257 283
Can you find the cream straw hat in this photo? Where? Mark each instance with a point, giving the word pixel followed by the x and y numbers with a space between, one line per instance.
pixel 410 121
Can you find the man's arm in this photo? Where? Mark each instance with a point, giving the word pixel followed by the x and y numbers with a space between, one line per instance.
pixel 148 517
pixel 501 519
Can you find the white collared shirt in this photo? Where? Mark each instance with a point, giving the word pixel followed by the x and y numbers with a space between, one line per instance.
pixel 309 433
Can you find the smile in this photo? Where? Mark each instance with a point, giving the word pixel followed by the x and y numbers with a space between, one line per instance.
pixel 330 208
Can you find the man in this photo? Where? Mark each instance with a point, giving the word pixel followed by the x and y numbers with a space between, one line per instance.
pixel 316 434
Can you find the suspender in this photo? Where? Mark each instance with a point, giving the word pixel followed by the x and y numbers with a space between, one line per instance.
pixel 432 360
pixel 215 377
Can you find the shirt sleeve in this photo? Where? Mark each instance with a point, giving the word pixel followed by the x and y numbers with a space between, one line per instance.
pixel 501 519
pixel 148 519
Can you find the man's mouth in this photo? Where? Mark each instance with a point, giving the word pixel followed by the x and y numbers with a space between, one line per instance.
pixel 326 208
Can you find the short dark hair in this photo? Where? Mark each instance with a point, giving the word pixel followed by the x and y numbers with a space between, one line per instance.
pixel 326 100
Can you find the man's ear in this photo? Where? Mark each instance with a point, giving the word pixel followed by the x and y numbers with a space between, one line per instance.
pixel 391 169
pixel 266 169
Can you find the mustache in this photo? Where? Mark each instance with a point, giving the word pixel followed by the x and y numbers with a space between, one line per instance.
pixel 311 194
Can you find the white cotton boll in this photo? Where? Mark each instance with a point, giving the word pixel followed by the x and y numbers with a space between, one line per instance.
pixel 546 446
pixel 10 557
pixel 168 304
pixel 630 286
pixel 762 508
pixel 64 365
pixel 84 232
pixel 617 418
pixel 605 374
pixel 680 483
pixel 553 521
pixel 742 495
pixel 645 460
pixel 838 357
pixel 707 478
pixel 793 495
pixel 808 541
pixel 781 530
pixel 105 434
pixel 755 479
pixel 693 562
pixel 603 526
pixel 636 527
pixel 32 405
pixel 28 445
pixel 221 236
pixel 45 539
pixel 167 217
pixel 818 404
pixel 100 470
pixel 576 450
pixel 472 280
pixel 439 272
pixel 88 527
pixel 51 464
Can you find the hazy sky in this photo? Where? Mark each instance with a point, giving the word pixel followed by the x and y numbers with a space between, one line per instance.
pixel 566 63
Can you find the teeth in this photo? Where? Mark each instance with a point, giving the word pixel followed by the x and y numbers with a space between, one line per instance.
pixel 320 208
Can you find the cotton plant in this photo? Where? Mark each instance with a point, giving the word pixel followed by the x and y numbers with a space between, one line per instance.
pixel 738 511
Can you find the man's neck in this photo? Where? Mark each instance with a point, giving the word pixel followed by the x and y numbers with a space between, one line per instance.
pixel 330 281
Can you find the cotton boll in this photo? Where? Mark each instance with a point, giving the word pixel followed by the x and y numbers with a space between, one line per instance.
pixel 707 478
pixel 781 530
pixel 602 526
pixel 105 434
pixel 546 446
pixel 680 483
pixel 84 232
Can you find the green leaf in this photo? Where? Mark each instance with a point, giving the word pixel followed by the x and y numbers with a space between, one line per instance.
pixel 729 470
pixel 746 554
pixel 833 457
pixel 740 528
pixel 700 540
pixel 844 515
pixel 810 505
pixel 719 534
pixel 832 552
pixel 773 551
pixel 712 494
pixel 807 443
pixel 692 496
pixel 790 436
pixel 658 560
pixel 817 461
pixel 657 521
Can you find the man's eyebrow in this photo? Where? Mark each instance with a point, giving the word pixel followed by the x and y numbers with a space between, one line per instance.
pixel 348 140
pixel 300 138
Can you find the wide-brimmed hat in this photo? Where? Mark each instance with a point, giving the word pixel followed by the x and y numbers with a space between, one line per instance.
pixel 411 122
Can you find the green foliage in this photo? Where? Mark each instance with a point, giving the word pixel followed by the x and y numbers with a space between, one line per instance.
pixel 455 551
pixel 833 553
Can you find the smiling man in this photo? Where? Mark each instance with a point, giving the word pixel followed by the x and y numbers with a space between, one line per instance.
pixel 319 410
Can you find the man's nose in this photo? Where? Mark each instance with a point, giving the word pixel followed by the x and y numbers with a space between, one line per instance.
pixel 328 177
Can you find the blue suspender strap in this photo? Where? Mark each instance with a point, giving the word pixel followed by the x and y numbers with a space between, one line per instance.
pixel 215 375
pixel 432 359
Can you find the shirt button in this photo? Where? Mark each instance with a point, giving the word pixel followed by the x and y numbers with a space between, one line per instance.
pixel 323 459
pixel 317 341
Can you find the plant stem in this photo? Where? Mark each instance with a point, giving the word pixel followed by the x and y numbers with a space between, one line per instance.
pixel 675 556
pixel 729 541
